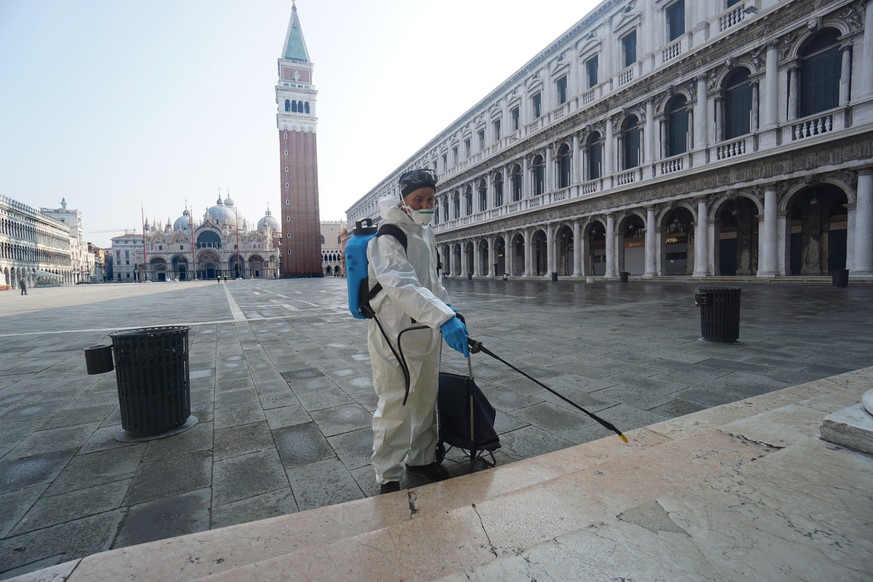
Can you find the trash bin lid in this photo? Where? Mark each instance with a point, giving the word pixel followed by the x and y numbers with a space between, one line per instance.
pixel 150 331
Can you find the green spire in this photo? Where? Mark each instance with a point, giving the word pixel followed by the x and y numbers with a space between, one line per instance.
pixel 295 46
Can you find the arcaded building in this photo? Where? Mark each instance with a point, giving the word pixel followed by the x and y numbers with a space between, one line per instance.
pixel 34 247
pixel 667 138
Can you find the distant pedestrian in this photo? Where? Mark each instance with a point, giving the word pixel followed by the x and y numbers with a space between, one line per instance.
pixel 23 286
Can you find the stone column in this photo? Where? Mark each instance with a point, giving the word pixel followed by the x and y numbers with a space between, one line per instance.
pixel 492 255
pixel 506 186
pixel 464 267
pixel 846 75
pixel 783 242
pixel 548 171
pixel 610 247
pixel 771 87
pixel 608 150
pixel 701 253
pixel 576 170
pixel 767 239
pixel 700 117
pixel 863 235
pixel 649 144
pixel 850 231
pixel 867 57
pixel 756 96
pixel 577 249
pixel 651 244
pixel 509 253
pixel 719 116
pixel 551 264
pixel 793 88
pixel 528 243
pixel 525 178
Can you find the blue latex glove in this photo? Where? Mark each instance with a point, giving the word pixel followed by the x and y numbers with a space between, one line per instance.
pixel 455 334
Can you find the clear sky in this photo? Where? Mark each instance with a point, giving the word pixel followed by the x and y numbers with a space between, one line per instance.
pixel 118 105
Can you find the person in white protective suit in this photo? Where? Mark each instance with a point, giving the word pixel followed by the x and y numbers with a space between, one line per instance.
pixel 412 295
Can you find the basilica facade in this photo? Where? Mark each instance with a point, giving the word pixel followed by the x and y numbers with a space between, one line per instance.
pixel 665 138
pixel 223 244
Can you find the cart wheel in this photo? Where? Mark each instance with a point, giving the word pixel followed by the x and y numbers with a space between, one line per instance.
pixel 440 452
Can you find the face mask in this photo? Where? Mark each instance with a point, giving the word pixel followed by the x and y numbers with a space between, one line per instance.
pixel 420 217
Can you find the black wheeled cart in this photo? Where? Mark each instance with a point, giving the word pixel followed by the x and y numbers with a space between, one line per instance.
pixel 466 419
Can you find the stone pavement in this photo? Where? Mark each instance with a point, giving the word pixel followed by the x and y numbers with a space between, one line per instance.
pixel 280 386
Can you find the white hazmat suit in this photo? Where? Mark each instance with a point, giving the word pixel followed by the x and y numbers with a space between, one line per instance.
pixel 412 294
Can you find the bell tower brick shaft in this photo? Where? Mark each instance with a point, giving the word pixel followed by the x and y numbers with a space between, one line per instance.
pixel 296 121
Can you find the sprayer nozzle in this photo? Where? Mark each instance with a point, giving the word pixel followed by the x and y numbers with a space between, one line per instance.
pixel 622 437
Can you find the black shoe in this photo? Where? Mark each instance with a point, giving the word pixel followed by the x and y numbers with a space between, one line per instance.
pixel 389 487
pixel 433 472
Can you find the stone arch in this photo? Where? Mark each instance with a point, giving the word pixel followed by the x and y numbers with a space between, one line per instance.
pixel 564 249
pixel 594 233
pixel 677 240
pixel 735 218
pixel 517 246
pixel 631 231
pixel 817 224
pixel 482 257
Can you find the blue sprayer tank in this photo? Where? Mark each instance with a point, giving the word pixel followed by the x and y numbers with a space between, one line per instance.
pixel 356 264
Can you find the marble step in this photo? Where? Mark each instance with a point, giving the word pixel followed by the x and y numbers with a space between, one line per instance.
pixel 472 519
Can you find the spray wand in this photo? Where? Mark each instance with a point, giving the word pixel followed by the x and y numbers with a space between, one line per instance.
pixel 476 346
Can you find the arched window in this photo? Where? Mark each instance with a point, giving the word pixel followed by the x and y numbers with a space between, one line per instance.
pixel 677 126
pixel 564 164
pixel 594 155
pixel 287 105
pixel 306 107
pixel 294 107
pixel 515 179
pixel 468 201
pixel 737 104
pixel 630 133
pixel 539 176
pixel 498 190
pixel 820 73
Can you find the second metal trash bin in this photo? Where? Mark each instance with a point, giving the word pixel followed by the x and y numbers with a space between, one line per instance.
pixel 840 277
pixel 154 390
pixel 719 313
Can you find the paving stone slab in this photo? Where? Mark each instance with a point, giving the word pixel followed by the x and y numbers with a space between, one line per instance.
pixel 322 483
pixel 342 419
pixel 17 503
pixel 172 476
pixel 57 509
pixel 301 444
pixel 20 472
pixel 264 506
pixel 244 476
pixel 165 518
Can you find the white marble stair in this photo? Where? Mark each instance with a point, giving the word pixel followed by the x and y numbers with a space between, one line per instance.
pixel 488 518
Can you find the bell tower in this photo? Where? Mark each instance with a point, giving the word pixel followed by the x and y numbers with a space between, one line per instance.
pixel 298 163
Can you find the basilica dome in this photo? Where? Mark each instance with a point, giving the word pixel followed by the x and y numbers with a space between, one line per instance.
pixel 268 221
pixel 222 214
pixel 183 223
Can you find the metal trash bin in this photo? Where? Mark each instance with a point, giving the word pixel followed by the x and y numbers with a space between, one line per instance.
pixel 719 313
pixel 840 277
pixel 554 276
pixel 623 276
pixel 152 370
